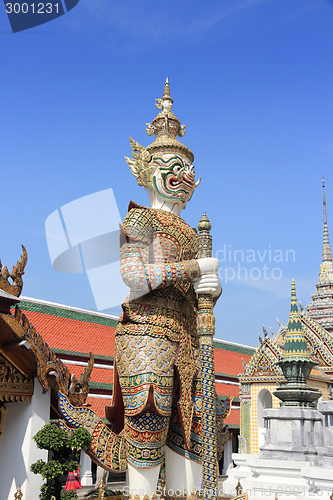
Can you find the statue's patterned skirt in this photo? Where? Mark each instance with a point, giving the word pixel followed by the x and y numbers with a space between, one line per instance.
pixel 150 391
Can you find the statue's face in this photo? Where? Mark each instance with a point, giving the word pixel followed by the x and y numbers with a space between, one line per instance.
pixel 174 178
pixel 167 104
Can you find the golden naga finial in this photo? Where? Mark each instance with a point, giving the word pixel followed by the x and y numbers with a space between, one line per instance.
pixel 14 288
pixel 239 488
pixel 18 495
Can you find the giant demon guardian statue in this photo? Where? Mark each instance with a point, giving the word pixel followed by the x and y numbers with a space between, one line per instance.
pixel 156 411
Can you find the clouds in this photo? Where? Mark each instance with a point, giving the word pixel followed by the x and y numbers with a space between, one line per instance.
pixel 173 22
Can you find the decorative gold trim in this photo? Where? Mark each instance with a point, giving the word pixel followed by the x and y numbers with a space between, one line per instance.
pixel 14 387
pixel 47 362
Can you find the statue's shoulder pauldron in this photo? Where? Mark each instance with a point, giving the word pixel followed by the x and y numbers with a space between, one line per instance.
pixel 138 223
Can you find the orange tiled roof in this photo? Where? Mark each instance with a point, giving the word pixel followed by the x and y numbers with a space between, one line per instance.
pixel 233 417
pixel 71 331
pixel 97 405
pixel 227 390
pixel 229 362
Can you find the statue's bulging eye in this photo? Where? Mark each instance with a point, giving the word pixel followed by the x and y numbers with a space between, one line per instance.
pixel 176 169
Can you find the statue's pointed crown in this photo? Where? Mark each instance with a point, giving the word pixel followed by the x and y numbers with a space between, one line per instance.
pixel 166 127
pixel 295 346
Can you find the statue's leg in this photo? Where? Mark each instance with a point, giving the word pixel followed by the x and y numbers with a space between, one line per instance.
pixel 182 474
pixel 146 383
pixel 145 435
pixel 182 463
pixel 142 481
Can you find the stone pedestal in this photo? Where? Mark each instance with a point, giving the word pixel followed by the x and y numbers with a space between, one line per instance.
pixel 325 453
pixel 296 460
pixel 292 433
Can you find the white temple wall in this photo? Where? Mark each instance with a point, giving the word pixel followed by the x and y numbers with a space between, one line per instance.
pixel 17 449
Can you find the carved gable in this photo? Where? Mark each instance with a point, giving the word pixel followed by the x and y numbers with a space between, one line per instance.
pixel 14 387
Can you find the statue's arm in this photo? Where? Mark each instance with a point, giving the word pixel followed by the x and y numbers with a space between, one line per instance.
pixel 140 275
pixel 141 262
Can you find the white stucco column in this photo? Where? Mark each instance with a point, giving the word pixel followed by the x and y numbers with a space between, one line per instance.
pixel 227 456
pixel 86 475
pixel 17 448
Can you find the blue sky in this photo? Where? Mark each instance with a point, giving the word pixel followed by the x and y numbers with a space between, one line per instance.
pixel 252 80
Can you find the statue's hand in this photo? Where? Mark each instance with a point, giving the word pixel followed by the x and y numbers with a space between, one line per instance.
pixel 208 265
pixel 209 281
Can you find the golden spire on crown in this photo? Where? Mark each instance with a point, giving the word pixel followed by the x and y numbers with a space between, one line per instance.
pixel 166 127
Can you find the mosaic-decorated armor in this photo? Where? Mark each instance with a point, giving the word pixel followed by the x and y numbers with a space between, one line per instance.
pixel 156 333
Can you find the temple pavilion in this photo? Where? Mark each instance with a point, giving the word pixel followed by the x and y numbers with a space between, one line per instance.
pixel 262 375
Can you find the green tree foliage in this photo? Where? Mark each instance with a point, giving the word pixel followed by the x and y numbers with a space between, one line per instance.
pixel 65 448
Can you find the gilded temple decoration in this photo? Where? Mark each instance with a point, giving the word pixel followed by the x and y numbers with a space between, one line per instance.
pixel 12 282
pixel 14 386
pixel 48 365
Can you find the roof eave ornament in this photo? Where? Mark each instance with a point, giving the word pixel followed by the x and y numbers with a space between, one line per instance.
pixel 15 286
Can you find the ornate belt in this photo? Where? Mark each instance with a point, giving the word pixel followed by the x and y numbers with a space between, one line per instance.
pixel 181 307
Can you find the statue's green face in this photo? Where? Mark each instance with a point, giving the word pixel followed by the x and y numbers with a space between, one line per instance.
pixel 174 178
